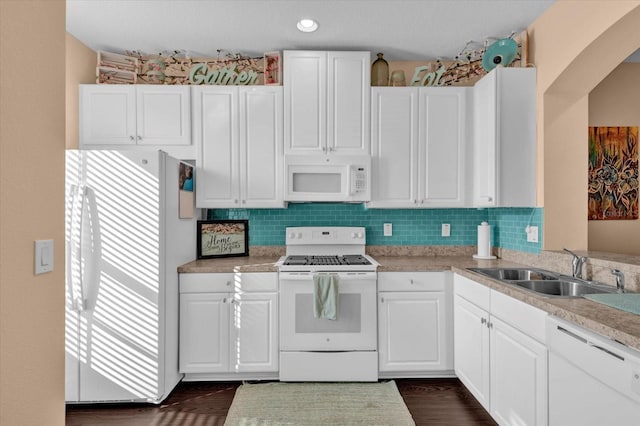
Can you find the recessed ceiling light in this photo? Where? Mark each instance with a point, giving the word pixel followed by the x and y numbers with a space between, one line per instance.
pixel 307 25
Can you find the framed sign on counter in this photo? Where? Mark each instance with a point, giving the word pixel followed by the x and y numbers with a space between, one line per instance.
pixel 222 238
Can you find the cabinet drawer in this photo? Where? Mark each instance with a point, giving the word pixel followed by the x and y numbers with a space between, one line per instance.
pixel 474 292
pixel 526 318
pixel 256 281
pixel 228 282
pixel 206 283
pixel 413 281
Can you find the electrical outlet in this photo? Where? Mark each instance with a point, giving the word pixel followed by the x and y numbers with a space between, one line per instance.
pixel 446 230
pixel 532 234
pixel 388 229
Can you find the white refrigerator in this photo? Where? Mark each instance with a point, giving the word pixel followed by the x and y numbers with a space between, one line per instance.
pixel 124 242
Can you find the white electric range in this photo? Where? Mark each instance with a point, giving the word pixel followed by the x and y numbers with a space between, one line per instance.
pixel 319 349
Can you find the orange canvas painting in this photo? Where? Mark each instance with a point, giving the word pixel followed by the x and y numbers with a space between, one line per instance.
pixel 613 173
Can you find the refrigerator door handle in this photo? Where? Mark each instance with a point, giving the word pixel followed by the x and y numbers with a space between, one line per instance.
pixel 72 252
pixel 79 302
pixel 89 276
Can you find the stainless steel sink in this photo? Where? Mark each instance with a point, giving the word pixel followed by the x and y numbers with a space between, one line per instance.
pixel 563 288
pixel 545 283
pixel 517 274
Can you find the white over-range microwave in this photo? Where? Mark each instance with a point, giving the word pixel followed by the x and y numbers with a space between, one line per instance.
pixel 338 178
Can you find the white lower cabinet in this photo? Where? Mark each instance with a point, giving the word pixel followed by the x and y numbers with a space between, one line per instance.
pixel 414 324
pixel 500 353
pixel 228 326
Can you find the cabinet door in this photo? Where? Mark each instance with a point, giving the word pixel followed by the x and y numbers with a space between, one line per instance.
pixel 348 102
pixel 163 115
pixel 107 115
pixel 442 147
pixel 216 137
pixel 518 377
pixel 516 135
pixel 305 101
pixel 261 159
pixel 204 332
pixel 471 343
pixel 394 147
pixel 413 331
pixel 254 339
pixel 485 134
pixel 505 138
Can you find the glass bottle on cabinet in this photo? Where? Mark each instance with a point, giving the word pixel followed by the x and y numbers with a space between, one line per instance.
pixel 380 72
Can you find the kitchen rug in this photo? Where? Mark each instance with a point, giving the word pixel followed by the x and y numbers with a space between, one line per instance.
pixel 306 404
pixel 629 302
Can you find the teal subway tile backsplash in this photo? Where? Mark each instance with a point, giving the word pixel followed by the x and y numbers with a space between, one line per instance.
pixel 410 226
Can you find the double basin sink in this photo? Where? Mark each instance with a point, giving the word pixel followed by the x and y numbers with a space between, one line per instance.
pixel 545 283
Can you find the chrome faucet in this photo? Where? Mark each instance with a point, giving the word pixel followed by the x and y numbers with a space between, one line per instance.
pixel 619 279
pixel 576 263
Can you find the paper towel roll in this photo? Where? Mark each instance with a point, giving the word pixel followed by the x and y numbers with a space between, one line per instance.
pixel 484 242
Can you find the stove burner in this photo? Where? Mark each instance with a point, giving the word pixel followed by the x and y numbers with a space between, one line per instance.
pixel 349 259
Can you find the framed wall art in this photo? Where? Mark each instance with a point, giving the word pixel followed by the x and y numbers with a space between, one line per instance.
pixel 613 173
pixel 222 238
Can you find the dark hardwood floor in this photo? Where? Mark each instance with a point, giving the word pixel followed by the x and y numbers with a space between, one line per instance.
pixel 430 401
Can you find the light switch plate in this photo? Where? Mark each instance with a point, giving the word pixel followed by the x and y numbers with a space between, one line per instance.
pixel 532 234
pixel 446 230
pixel 43 256
pixel 388 229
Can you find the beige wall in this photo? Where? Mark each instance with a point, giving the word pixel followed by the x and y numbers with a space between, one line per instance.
pixel 80 69
pixel 575 45
pixel 32 44
pixel 614 102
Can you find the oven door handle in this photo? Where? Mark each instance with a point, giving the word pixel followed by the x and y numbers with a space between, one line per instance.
pixel 342 276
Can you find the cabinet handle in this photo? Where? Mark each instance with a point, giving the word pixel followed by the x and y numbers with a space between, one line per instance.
pixel 331 149
pixel 232 301
pixel 139 137
pixel 489 324
pixel 244 201
pixel 483 320
pixel 224 300
pixel 235 201
pixel 411 282
pixel 382 300
pixel 228 283
pixel 132 138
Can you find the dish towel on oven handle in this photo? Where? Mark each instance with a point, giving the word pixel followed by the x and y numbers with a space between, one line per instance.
pixel 325 296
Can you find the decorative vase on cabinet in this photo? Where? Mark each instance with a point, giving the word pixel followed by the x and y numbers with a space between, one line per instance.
pixel 380 72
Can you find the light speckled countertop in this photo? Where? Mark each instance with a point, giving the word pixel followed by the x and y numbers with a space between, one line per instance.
pixel 231 264
pixel 613 323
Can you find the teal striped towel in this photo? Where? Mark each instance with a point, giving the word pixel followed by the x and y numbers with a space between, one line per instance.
pixel 325 296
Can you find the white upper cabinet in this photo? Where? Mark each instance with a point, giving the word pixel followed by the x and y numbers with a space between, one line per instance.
pixel 418 147
pixel 238 135
pixel 505 138
pixel 394 147
pixel 442 148
pixel 117 116
pixel 326 106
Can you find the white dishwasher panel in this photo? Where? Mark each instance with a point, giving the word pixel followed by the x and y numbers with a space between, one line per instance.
pixel 592 380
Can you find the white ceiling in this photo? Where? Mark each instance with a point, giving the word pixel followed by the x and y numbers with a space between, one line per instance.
pixel 401 29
